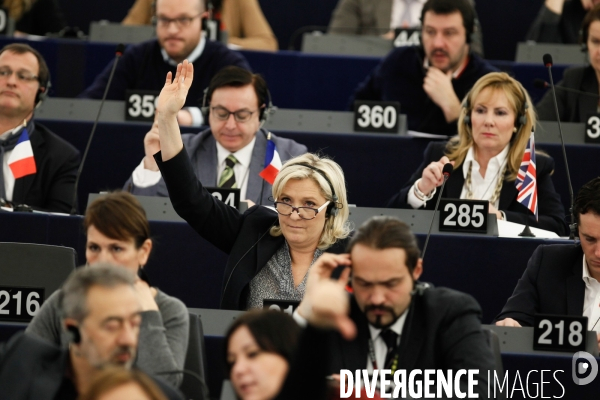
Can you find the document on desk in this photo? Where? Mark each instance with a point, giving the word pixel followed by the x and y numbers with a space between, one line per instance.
pixel 512 229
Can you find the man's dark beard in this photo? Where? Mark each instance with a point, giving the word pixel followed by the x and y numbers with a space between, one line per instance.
pixel 377 324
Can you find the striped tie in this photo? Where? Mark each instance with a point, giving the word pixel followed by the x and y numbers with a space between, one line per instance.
pixel 227 179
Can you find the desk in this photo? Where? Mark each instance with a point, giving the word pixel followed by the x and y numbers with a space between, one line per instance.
pixel 188 267
pixel 118 148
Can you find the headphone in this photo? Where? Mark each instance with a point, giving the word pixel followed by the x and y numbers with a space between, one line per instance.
pixel 74 333
pixel 521 120
pixel 263 116
pixel 332 207
pixel 42 92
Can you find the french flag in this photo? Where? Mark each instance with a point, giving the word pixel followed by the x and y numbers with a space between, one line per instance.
pixel 527 179
pixel 272 162
pixel 21 161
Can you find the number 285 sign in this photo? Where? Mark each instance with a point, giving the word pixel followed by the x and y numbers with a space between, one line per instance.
pixel 463 215
pixel 376 116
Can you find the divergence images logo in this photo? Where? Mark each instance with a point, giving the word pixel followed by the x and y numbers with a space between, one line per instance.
pixel 584 364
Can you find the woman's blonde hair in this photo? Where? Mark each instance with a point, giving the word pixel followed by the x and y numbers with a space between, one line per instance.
pixel 336 224
pixel 520 102
pixel 16 8
pixel 114 377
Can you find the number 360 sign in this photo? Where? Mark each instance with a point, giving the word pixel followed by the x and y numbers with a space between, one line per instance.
pixel 376 116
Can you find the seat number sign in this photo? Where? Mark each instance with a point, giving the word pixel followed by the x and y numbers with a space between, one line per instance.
pixel 463 215
pixel 140 105
pixel 559 332
pixel 376 116
pixel 20 304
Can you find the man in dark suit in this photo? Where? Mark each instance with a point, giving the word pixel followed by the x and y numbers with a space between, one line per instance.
pixel 563 279
pixel 179 36
pixel 238 103
pixel 102 313
pixel 24 82
pixel 430 80
pixel 391 321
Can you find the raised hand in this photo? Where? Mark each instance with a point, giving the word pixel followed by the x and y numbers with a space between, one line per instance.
pixel 151 147
pixel 173 94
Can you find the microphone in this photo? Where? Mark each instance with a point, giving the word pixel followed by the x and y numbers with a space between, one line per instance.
pixel 573 225
pixel 118 53
pixel 446 172
pixel 542 84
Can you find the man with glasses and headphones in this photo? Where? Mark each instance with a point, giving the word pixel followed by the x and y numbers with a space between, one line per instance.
pixel 47 181
pixel 236 104
pixel 179 36
pixel 429 80
pixel 102 314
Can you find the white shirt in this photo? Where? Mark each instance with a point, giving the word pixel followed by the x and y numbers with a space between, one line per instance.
pixel 145 178
pixel 399 10
pixel 379 343
pixel 197 118
pixel 241 168
pixel 591 301
pixel 483 188
pixel 9 178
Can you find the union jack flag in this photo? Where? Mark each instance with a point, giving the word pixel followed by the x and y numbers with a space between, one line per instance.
pixel 527 179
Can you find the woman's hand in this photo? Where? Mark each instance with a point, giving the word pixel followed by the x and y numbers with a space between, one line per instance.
pixel 432 176
pixel 173 94
pixel 146 295
pixel 494 210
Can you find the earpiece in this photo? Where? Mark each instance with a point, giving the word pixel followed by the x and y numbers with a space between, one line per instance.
pixel 521 120
pixel 42 93
pixel 75 334
pixel 332 209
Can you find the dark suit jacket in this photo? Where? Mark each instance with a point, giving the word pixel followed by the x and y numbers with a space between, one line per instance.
pixel 572 107
pixel 551 284
pixel 550 210
pixel 442 331
pixel 34 369
pixel 245 237
pixel 51 187
pixel 202 150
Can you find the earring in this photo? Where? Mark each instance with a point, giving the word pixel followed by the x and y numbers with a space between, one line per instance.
pixel 515 129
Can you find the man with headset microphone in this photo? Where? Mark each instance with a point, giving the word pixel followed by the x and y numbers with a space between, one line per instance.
pixel 391 321
pixel 38 167
pixel 179 36
pixel 430 80
pixel 101 311
pixel 236 104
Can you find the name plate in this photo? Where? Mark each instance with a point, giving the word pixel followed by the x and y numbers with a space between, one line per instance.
pixel 407 37
pixel 140 105
pixel 20 304
pixel 463 215
pixel 592 129
pixel 286 306
pixel 230 197
pixel 559 332
pixel 376 116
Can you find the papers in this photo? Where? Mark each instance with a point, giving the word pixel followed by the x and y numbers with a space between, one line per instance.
pixel 512 229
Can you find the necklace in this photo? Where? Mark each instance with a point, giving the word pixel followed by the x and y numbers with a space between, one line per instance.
pixel 500 179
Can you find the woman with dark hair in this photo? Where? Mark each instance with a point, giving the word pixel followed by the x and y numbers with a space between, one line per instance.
pixel 259 349
pixel 121 383
pixel 118 233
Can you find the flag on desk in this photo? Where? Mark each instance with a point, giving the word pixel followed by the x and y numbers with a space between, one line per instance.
pixel 527 179
pixel 272 162
pixel 21 161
